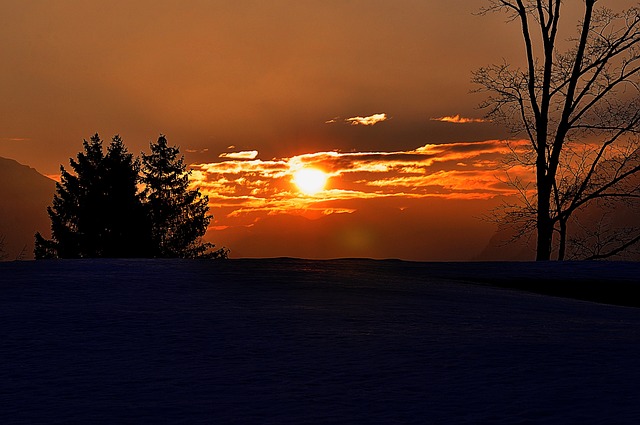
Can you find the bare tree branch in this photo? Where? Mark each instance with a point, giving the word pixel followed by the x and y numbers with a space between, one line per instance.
pixel 588 94
pixel 615 251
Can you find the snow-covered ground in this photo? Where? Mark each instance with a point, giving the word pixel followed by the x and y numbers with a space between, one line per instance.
pixel 296 341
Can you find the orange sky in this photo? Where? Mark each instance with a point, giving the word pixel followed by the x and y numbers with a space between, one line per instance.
pixel 376 93
pixel 265 76
pixel 425 203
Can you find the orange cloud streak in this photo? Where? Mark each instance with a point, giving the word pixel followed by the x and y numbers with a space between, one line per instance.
pixel 239 155
pixel 370 120
pixel 241 191
pixel 457 119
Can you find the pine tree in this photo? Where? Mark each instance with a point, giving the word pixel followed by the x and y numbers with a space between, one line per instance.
pixel 178 214
pixel 128 227
pixel 97 212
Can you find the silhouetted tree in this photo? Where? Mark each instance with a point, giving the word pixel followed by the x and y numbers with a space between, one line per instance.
pixel 129 233
pixel 178 214
pixel 45 248
pixel 97 212
pixel 588 93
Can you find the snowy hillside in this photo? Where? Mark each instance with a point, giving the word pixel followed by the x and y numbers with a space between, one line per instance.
pixel 292 341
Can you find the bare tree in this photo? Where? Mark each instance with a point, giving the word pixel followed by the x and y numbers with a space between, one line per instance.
pixel 22 254
pixel 587 95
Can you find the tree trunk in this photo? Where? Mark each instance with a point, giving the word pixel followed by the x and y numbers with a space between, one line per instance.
pixel 544 224
pixel 562 244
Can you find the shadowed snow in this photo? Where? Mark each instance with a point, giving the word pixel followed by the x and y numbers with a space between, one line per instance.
pixel 296 341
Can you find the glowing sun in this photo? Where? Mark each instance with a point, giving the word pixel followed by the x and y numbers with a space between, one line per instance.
pixel 310 180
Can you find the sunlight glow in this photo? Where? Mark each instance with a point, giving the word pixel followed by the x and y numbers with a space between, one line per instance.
pixel 310 180
pixel 243 189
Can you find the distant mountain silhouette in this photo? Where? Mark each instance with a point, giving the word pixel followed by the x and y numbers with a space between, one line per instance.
pixel 24 197
pixel 503 247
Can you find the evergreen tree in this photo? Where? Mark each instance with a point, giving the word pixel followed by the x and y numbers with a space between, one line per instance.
pixel 128 227
pixel 178 214
pixel 97 212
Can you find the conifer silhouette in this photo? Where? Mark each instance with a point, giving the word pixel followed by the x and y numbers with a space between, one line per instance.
pixel 97 211
pixel 178 214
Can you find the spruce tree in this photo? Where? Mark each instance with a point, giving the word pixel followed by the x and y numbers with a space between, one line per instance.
pixel 97 211
pixel 128 227
pixel 178 214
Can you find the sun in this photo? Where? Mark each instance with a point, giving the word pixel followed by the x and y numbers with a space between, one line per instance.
pixel 310 180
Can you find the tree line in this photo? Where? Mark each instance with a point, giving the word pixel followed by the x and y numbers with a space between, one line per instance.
pixel 116 205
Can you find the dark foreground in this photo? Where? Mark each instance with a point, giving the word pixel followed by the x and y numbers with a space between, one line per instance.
pixel 294 341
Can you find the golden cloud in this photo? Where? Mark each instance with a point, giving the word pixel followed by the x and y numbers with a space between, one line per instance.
pixel 239 155
pixel 457 119
pixel 241 190
pixel 370 120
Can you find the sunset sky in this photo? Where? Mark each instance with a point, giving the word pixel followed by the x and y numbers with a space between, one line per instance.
pixel 374 93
